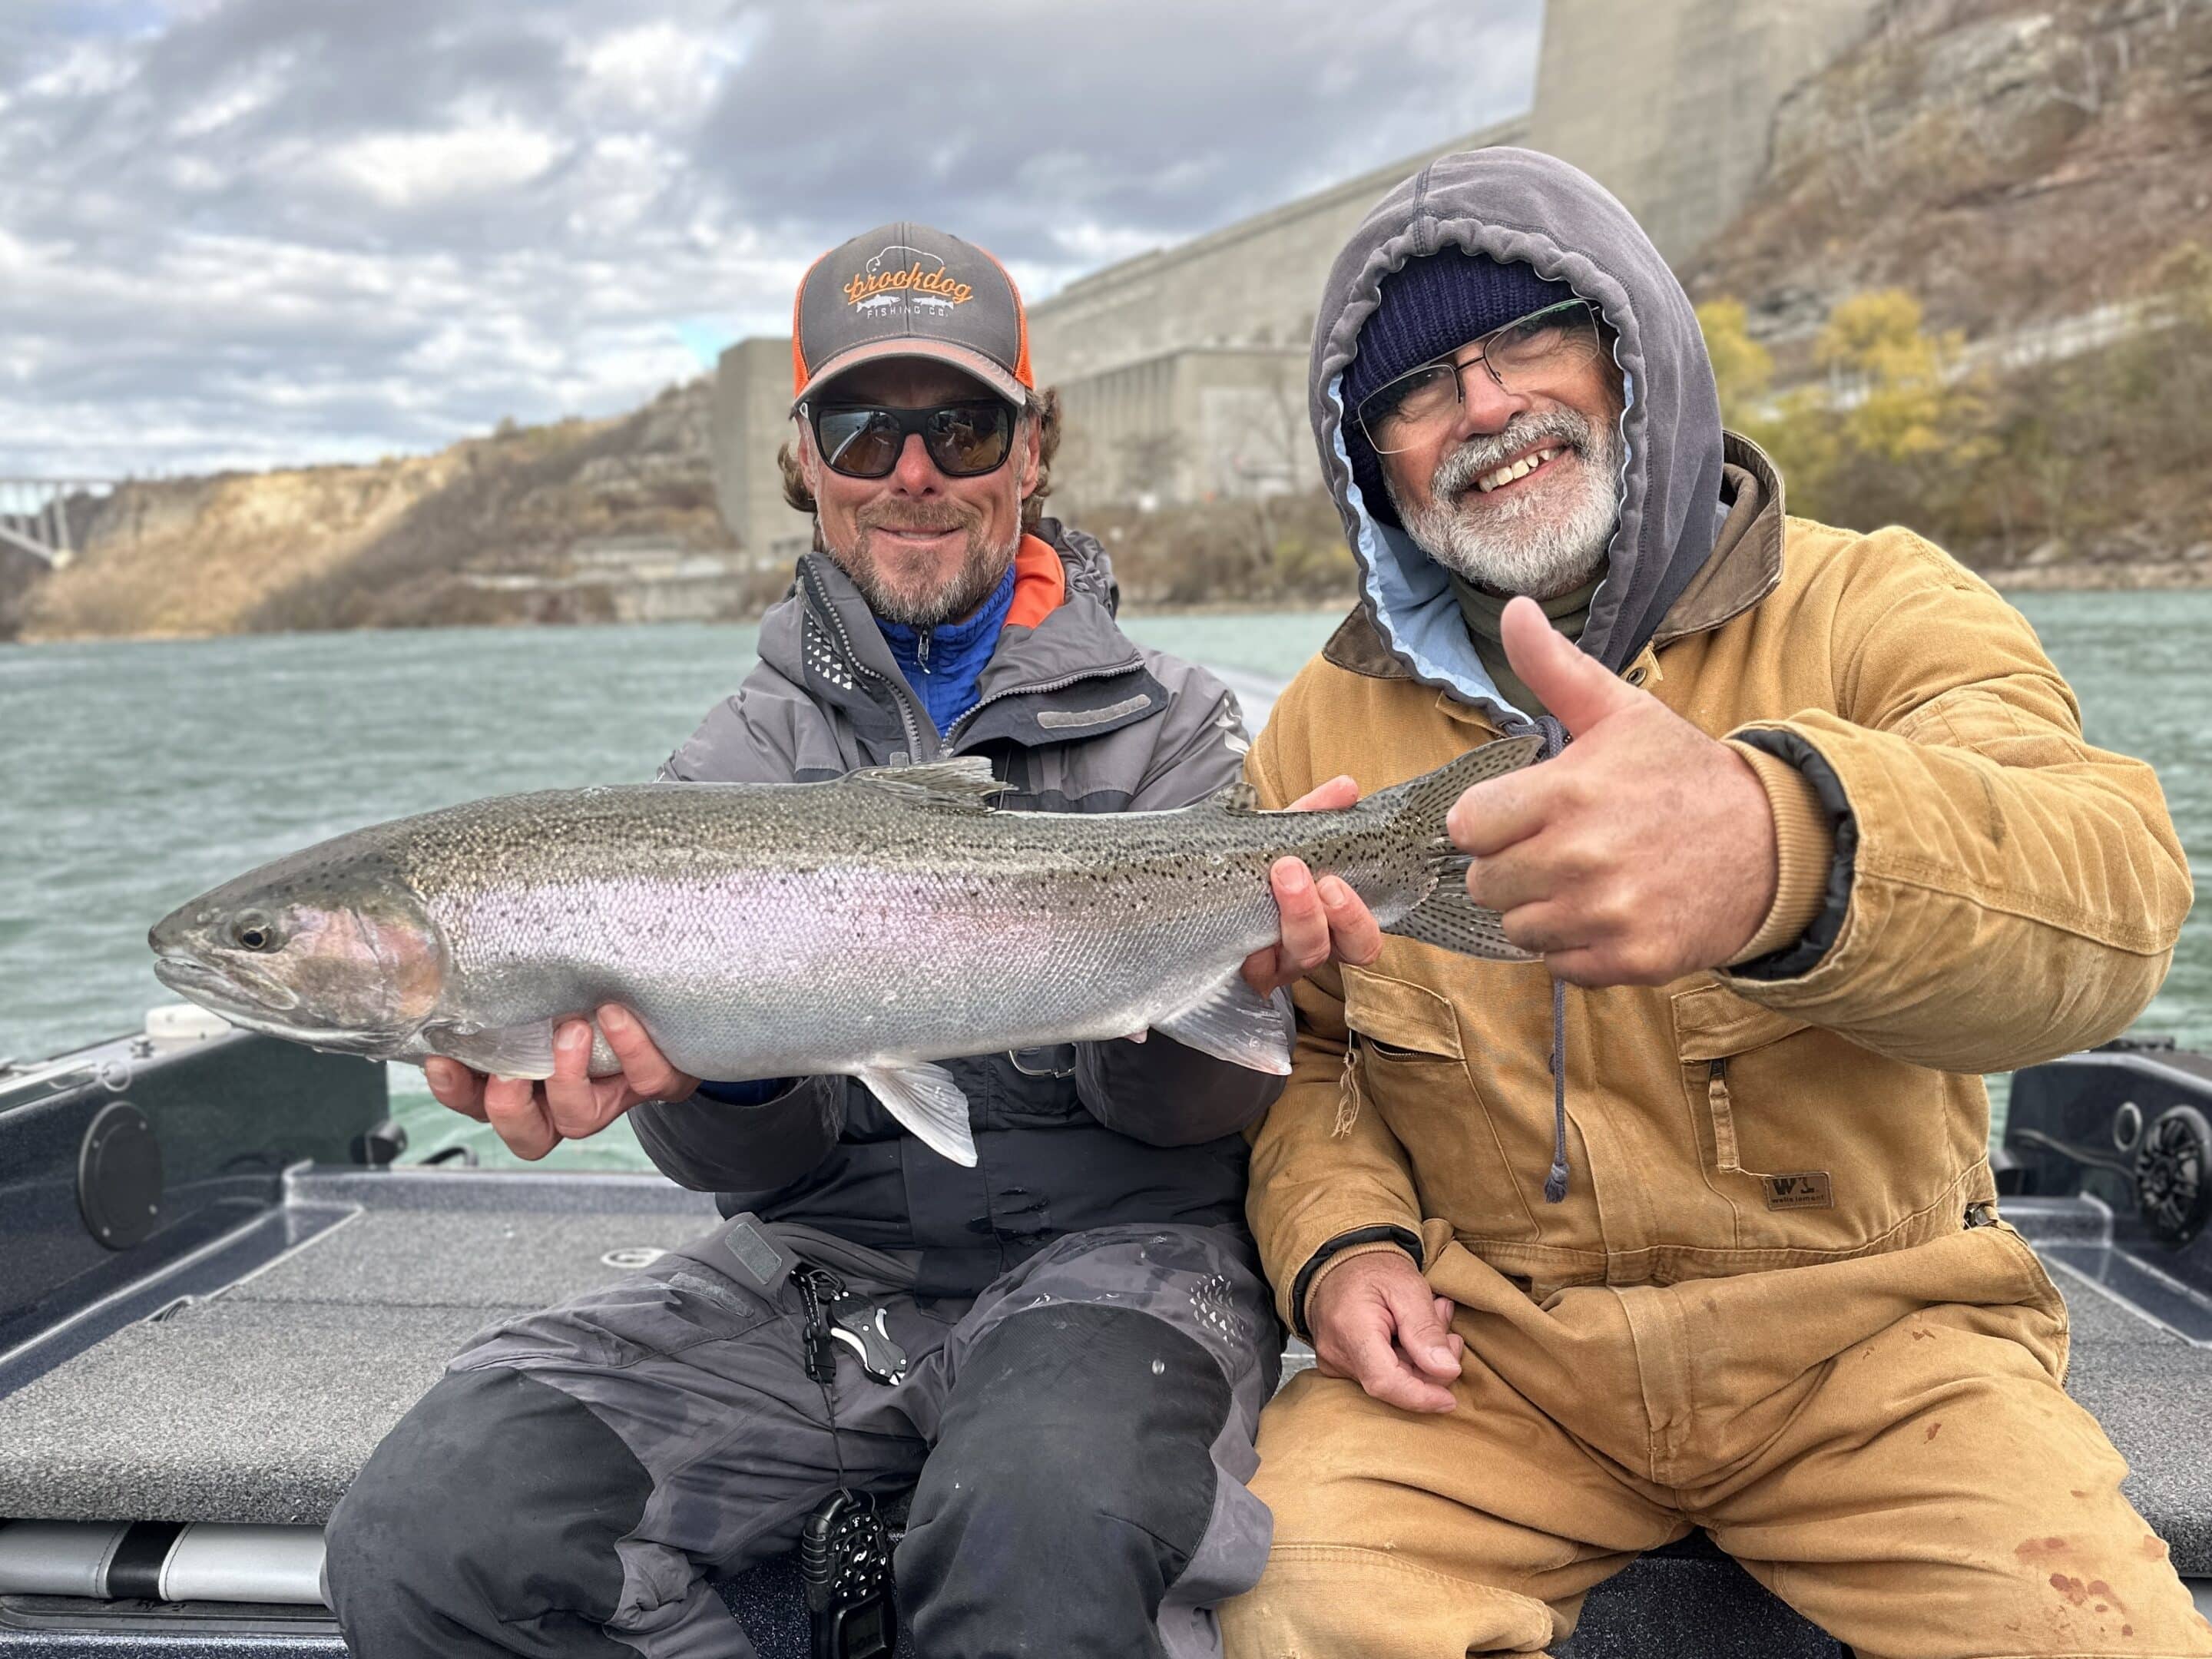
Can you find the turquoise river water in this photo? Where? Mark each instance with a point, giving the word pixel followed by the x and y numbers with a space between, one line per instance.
pixel 134 773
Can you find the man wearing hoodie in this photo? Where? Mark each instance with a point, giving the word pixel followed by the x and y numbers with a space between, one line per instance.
pixel 1820 844
pixel 1067 1345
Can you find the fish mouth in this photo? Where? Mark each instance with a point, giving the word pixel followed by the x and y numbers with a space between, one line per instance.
pixel 226 990
pixel 217 991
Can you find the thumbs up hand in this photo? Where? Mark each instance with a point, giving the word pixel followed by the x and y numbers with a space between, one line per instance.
pixel 1644 851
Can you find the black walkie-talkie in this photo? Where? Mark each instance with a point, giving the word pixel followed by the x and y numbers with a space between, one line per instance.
pixel 845 1562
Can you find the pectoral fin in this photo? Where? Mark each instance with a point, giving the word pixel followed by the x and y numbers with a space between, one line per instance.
pixel 1231 1022
pixel 499 1050
pixel 926 1100
pixel 510 1050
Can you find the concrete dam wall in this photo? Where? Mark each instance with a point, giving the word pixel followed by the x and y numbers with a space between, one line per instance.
pixel 1182 371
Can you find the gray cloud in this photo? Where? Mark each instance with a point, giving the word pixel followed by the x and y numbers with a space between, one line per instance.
pixel 260 232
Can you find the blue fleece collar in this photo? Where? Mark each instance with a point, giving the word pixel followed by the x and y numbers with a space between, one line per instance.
pixel 944 673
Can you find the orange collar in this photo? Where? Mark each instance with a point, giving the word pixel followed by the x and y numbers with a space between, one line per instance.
pixel 1040 583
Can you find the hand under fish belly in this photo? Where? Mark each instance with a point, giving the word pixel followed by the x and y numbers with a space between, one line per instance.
pixel 869 926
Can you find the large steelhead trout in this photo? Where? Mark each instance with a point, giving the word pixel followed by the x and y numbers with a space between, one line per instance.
pixel 868 926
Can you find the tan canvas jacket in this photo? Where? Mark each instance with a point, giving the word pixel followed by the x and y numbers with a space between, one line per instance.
pixel 2015 894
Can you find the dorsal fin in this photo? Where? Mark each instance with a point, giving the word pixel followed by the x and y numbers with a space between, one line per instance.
pixel 963 784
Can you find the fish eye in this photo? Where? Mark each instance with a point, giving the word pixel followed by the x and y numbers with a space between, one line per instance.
pixel 253 933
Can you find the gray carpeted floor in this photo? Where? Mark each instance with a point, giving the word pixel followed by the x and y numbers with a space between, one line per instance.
pixel 261 1403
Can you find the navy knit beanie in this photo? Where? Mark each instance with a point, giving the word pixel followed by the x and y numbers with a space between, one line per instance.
pixel 1427 308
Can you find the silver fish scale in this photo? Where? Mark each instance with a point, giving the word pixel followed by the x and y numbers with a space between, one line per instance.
pixel 769 930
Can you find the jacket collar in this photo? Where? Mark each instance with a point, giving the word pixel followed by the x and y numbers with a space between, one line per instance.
pixel 1745 566
pixel 824 637
pixel 1746 561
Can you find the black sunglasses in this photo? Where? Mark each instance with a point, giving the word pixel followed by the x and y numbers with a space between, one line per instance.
pixel 963 441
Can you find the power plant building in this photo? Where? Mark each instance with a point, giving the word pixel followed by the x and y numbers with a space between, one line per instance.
pixel 1182 371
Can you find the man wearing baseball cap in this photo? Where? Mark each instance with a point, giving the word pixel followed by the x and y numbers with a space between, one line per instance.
pixel 1062 1348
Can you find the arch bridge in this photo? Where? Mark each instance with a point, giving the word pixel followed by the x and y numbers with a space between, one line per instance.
pixel 34 516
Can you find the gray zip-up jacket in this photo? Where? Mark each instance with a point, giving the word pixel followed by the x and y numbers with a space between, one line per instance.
pixel 1074 717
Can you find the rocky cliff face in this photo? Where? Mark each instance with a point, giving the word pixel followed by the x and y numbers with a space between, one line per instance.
pixel 1980 266
pixel 2008 162
pixel 490 530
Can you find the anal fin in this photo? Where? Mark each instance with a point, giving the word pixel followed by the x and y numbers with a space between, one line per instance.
pixel 1233 1023
pixel 926 1100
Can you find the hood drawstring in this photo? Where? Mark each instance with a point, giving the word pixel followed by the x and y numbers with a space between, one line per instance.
pixel 1555 1183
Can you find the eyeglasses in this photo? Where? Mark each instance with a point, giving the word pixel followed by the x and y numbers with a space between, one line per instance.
pixel 963 441
pixel 1528 352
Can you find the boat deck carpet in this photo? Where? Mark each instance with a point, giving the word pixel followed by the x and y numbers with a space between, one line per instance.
pixel 259 1403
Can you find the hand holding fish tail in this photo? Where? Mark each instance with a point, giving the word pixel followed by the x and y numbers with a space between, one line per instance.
pixel 1322 919
pixel 533 1118
pixel 1644 851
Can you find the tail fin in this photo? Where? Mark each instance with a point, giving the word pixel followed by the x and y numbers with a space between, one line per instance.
pixel 1448 917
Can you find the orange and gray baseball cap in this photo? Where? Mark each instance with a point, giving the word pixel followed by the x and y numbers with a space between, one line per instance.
pixel 905 290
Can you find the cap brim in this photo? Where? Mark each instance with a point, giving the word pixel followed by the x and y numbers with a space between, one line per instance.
pixel 964 358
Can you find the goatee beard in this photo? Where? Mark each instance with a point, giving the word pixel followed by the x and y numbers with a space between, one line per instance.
pixel 1524 543
pixel 982 568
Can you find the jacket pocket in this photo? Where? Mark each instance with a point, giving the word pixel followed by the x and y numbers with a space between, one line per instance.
pixel 2055 1349
pixel 1032 1088
pixel 1817 1143
pixel 1400 1020
pixel 1722 1042
pixel 1712 1022
pixel 1408 1064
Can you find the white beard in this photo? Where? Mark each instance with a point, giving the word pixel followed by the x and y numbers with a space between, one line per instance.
pixel 1543 542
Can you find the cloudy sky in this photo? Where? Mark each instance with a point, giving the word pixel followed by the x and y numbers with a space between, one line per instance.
pixel 253 233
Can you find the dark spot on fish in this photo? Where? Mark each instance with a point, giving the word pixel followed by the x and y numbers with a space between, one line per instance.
pixel 2153 1548
pixel 1919 1335
pixel 2073 1589
pixel 1934 1429
pixel 2034 1548
pixel 2077 1492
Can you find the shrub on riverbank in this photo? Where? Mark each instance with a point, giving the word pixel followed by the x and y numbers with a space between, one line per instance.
pixel 2096 457
pixel 1275 550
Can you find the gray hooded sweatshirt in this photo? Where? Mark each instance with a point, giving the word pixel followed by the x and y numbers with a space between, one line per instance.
pixel 1518 204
